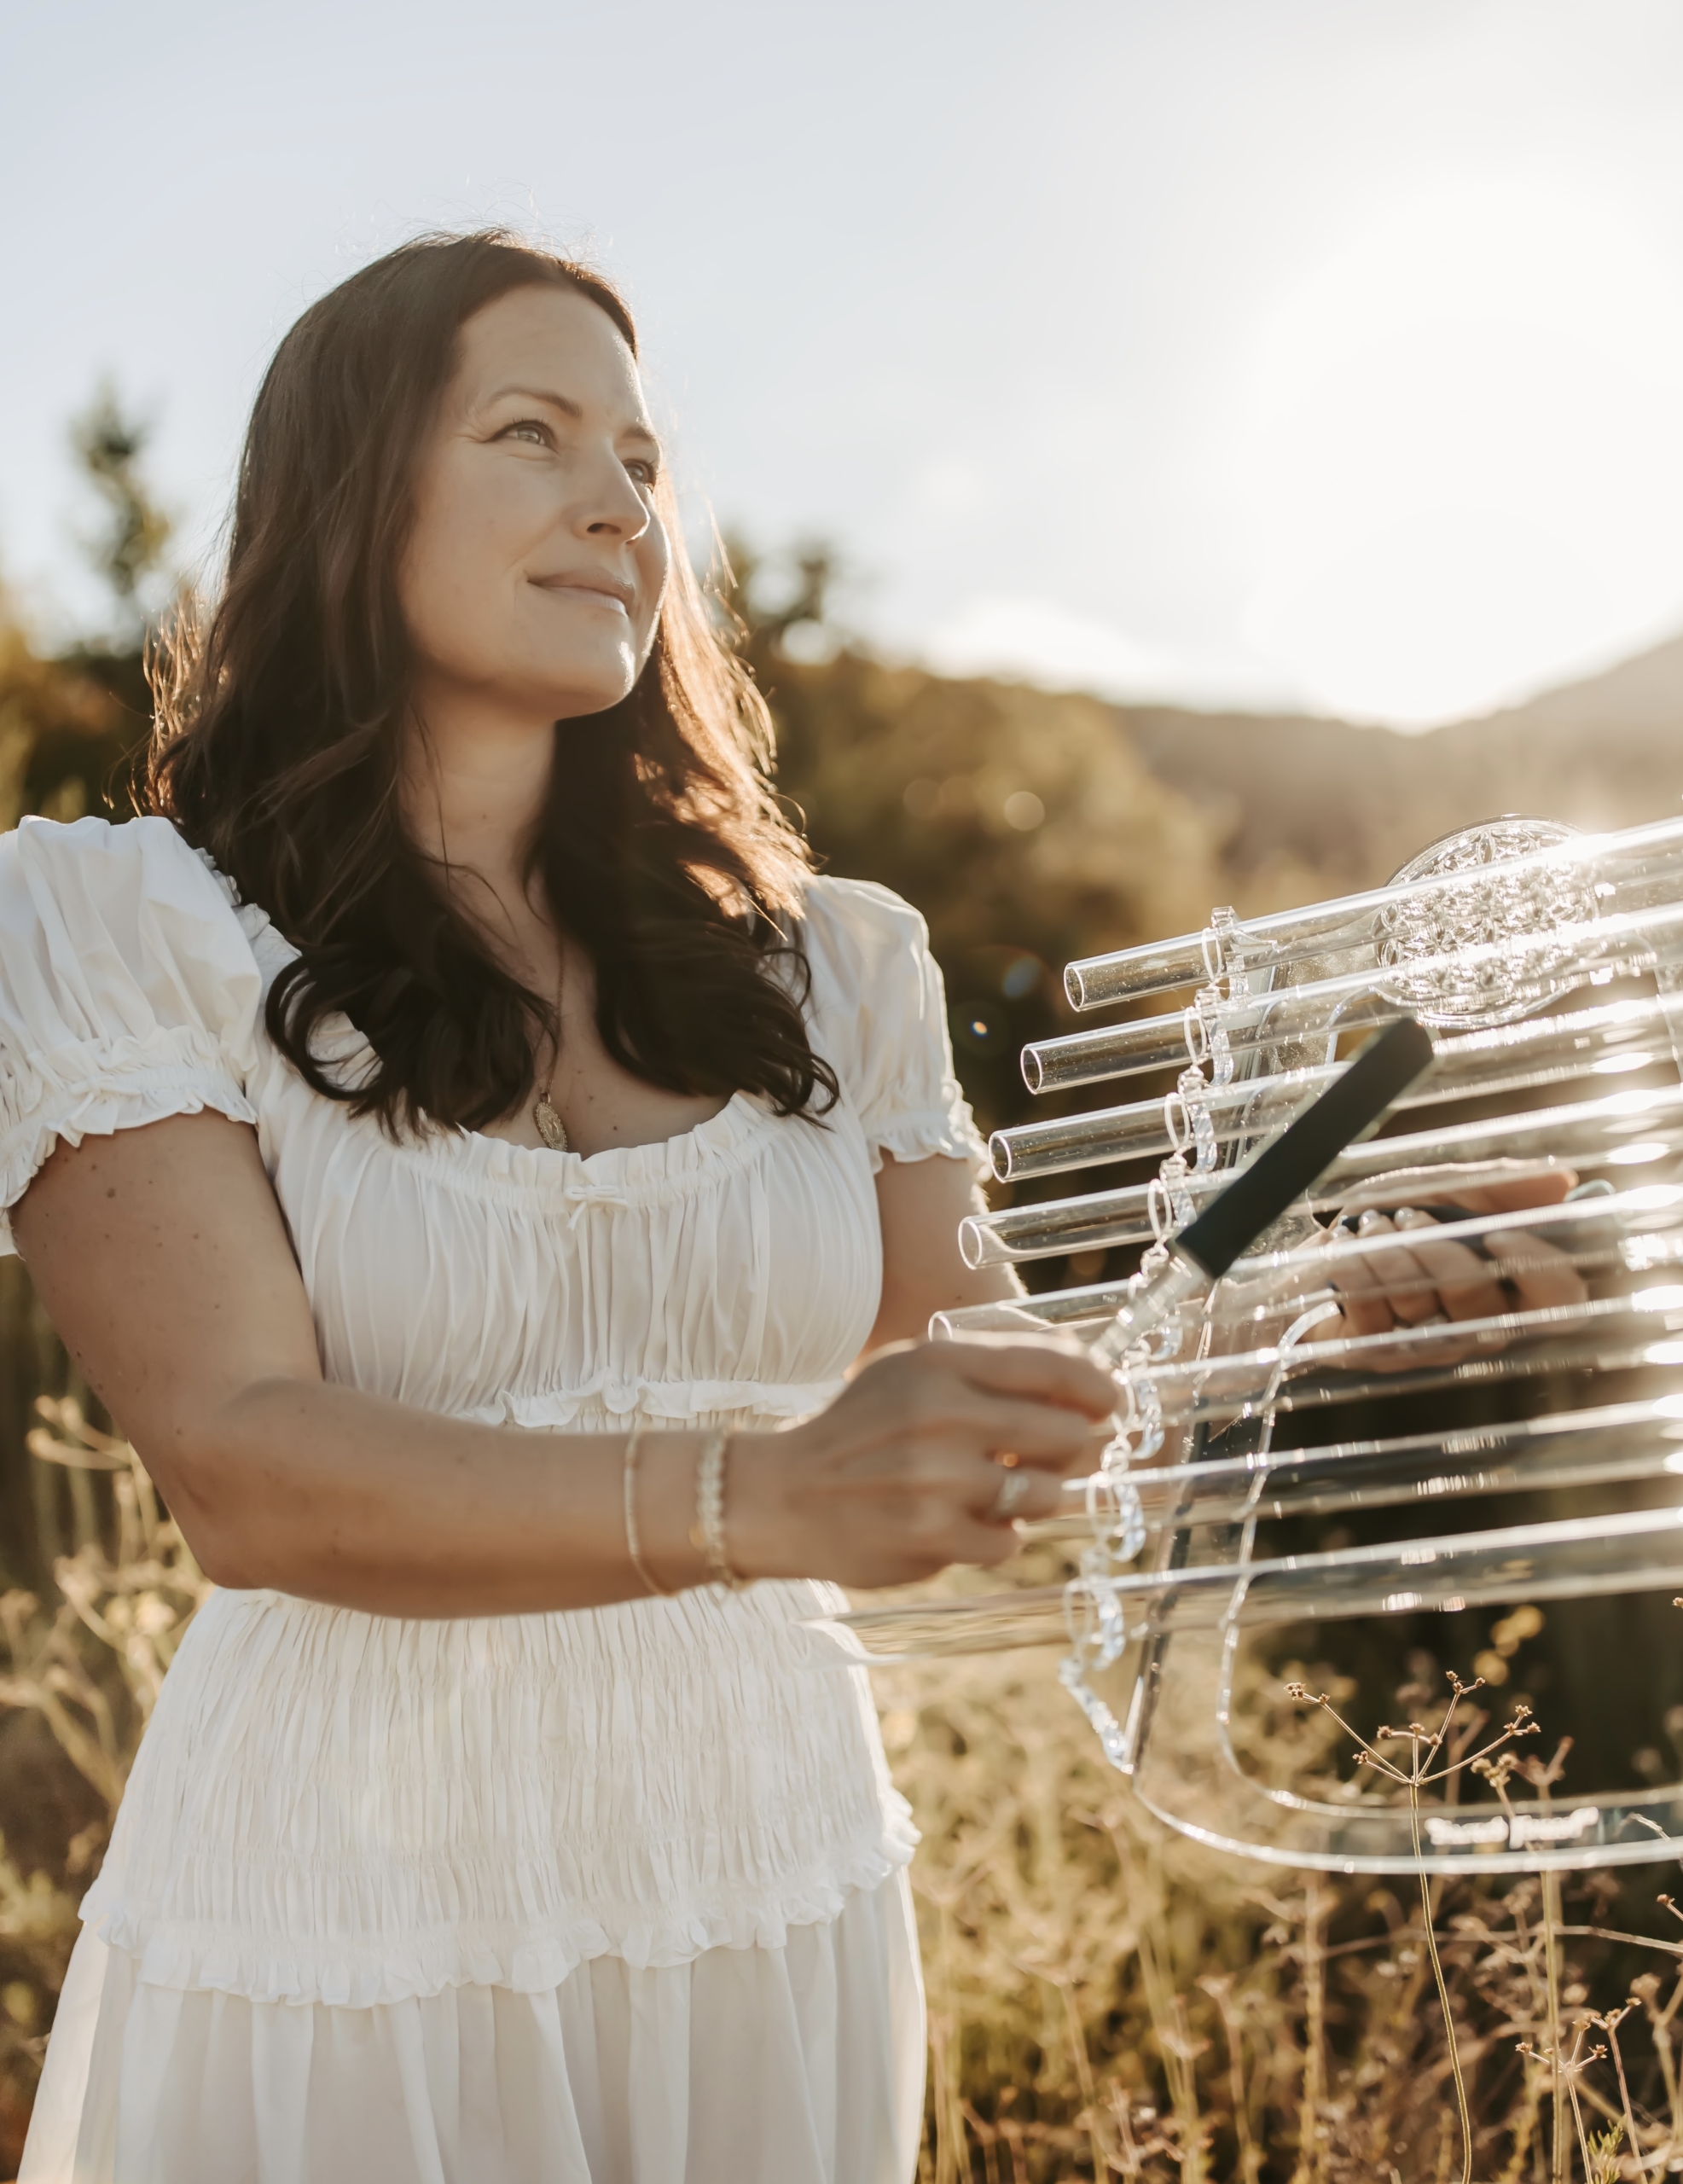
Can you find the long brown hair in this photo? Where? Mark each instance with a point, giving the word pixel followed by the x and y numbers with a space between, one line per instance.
pixel 661 848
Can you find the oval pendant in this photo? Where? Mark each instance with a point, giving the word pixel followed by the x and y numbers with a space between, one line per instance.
pixel 550 1127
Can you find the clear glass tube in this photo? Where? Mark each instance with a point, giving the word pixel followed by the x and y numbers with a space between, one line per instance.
pixel 1526 969
pixel 1614 1443
pixel 1631 870
pixel 1633 1550
pixel 1629 1243
pixel 1185 1769
pixel 1498 1055
pixel 1097 1057
pixel 1617 1132
pixel 1614 1039
pixel 1170 1636
pixel 1605 1334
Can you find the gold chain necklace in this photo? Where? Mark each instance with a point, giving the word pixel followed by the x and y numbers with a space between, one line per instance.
pixel 550 1127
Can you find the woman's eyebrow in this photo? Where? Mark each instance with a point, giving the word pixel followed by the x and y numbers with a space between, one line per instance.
pixel 569 408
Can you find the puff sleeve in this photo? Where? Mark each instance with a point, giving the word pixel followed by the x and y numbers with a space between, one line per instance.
pixel 880 1011
pixel 128 990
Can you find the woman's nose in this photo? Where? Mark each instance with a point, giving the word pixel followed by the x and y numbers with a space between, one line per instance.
pixel 611 506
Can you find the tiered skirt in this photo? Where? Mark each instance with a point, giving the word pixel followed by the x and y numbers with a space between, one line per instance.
pixel 615 1898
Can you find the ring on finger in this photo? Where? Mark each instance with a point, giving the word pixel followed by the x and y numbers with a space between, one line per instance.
pixel 1011 1488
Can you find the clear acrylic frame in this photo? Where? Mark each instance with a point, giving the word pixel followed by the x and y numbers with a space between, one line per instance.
pixel 1505 940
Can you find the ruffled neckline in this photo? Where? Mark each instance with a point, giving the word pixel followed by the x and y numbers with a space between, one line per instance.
pixel 619 1174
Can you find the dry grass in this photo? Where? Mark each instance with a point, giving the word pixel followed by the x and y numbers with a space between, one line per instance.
pixel 87 1668
pixel 1105 1999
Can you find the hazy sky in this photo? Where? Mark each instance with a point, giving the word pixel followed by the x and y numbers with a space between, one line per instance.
pixel 1319 350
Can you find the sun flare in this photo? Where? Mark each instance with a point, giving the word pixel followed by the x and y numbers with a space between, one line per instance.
pixel 1459 452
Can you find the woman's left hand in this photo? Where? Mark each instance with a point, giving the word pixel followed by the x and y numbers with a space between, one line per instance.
pixel 1428 1277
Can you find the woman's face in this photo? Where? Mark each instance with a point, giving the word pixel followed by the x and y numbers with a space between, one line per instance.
pixel 533 576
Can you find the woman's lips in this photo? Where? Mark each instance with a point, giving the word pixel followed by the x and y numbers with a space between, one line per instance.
pixel 618 597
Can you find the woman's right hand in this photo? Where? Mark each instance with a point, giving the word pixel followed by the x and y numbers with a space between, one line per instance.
pixel 901 1474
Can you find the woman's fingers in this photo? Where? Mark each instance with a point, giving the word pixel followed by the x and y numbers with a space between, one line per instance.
pixel 1365 1309
pixel 1036 1434
pixel 1386 1288
pixel 1512 1195
pixel 1055 1370
pixel 958 1465
pixel 937 1450
pixel 983 1545
pixel 1024 1493
pixel 1540 1273
pixel 1535 1183
pixel 964 1512
pixel 1360 1314
pixel 1048 1404
pixel 906 1510
pixel 967 1540
pixel 1467 1287
pixel 1407 1287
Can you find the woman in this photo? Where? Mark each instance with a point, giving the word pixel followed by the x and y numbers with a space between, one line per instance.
pixel 468 1150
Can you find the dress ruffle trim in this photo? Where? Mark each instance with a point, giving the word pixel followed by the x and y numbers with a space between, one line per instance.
pixel 611 1397
pixel 263 1964
pixel 922 1135
pixel 95 1091
pixel 669 1169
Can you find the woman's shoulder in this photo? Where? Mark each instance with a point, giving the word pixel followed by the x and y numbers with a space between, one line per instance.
pixel 94 856
pixel 128 990
pixel 135 891
pixel 878 996
pixel 857 928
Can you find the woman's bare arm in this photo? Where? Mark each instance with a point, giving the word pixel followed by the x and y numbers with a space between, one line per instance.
pixel 921 1204
pixel 162 1256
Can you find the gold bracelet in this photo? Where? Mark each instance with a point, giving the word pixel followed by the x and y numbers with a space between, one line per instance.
pixel 708 1531
pixel 633 1546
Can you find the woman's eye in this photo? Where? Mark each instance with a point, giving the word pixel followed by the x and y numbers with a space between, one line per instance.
pixel 644 470
pixel 528 429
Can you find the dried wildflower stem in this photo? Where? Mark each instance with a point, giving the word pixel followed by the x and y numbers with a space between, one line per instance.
pixel 1424 1747
pixel 1572 2071
pixel 1462 2110
pixel 1310 2167
pixel 1609 2024
pixel 1178 2074
pixel 952 2159
pixel 1552 1997
pixel 1221 1991
pixel 1089 2093
pixel 1660 2021
pixel 1542 1780
pixel 988 2138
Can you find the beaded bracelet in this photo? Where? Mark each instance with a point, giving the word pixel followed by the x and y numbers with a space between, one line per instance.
pixel 708 1530
pixel 633 1545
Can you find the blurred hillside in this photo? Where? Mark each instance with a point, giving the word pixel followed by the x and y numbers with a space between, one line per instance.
pixel 1300 805
pixel 1032 826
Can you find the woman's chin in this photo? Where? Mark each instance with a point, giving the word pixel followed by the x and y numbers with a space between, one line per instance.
pixel 582 692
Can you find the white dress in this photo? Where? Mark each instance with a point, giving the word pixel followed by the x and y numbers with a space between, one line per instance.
pixel 612 1896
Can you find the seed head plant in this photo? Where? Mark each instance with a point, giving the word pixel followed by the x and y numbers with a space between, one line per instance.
pixel 1423 1771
